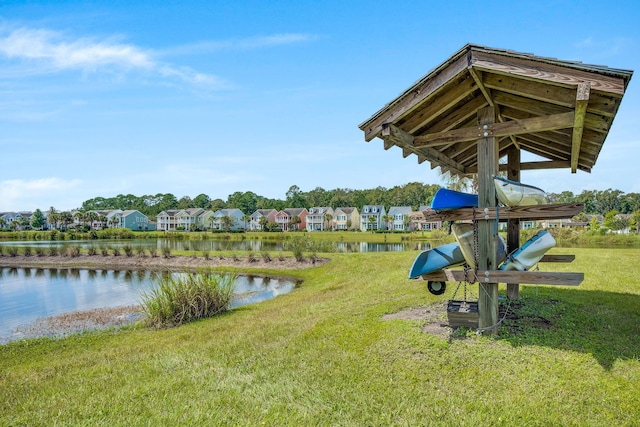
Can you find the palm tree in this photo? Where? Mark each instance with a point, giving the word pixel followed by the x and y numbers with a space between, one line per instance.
pixel 295 221
pixel 246 218
pixel 114 221
pixel 327 218
pixel 3 222
pixel 263 222
pixel 227 222
pixel 389 220
pixel 372 222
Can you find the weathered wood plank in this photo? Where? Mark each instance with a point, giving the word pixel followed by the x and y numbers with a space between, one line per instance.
pixel 582 101
pixel 413 97
pixel 397 136
pixel 558 258
pixel 539 70
pixel 555 211
pixel 512 127
pixel 499 276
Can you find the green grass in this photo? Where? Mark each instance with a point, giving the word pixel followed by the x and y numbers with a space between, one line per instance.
pixel 322 355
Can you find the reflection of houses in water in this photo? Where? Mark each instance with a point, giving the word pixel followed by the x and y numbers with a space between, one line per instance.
pixel 381 247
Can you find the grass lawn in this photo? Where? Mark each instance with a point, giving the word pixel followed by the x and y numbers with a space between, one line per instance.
pixel 322 355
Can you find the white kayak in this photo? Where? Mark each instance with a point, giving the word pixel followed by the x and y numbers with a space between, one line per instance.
pixel 463 232
pixel 530 253
pixel 512 193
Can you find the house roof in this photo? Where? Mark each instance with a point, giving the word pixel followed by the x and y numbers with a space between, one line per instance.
pixel 559 110
pixel 395 210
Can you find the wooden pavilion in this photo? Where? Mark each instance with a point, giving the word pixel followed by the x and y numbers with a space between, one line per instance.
pixel 484 104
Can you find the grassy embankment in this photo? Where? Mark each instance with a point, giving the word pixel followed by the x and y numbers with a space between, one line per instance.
pixel 322 355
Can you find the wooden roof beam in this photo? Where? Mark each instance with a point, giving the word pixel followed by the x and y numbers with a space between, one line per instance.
pixel 489 98
pixel 582 101
pixel 413 97
pixel 404 140
pixel 513 127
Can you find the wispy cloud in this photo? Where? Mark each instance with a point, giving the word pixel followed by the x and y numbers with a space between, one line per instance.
pixel 54 52
pixel 248 43
pixel 18 194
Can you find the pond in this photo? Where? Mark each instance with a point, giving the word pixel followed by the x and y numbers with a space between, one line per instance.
pixel 218 245
pixel 27 294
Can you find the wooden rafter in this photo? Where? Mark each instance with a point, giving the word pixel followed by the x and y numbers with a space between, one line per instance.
pixel 582 101
pixel 513 127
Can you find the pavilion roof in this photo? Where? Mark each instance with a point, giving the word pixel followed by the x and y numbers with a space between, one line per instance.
pixel 559 110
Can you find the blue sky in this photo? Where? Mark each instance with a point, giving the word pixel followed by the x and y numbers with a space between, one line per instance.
pixel 145 97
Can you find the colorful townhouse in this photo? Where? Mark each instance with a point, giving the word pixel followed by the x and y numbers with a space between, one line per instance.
pixel 400 218
pixel 346 218
pixel 371 218
pixel 320 218
pixel 256 218
pixel 285 219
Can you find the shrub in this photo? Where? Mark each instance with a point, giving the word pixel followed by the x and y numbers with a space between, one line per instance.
pixel 27 251
pixel 266 257
pixel 92 251
pixel 179 299
pixel 251 257
pixel 116 251
pixel 12 251
pixel 73 251
pixel 166 252
pixel 153 252
pixel 40 251
pixel 128 249
pixel 205 255
pixel 140 251
pixel 104 251
pixel 53 251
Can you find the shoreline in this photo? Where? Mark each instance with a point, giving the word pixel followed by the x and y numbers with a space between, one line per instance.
pixel 137 262
pixel 70 323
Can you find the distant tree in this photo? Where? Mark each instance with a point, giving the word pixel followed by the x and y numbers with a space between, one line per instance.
pixel 227 222
pixel 263 222
pixel 295 199
pixel 3 223
pixel 295 222
pixel 217 204
pixel 634 222
pixel 202 201
pixel 327 219
pixel 37 220
pixel 389 220
pixel 246 219
pixel 372 221
pixel 609 219
pixel 185 202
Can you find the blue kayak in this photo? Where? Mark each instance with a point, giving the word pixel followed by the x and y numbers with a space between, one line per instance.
pixel 436 259
pixel 449 199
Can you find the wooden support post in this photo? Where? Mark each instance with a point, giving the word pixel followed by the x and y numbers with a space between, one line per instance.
pixel 513 225
pixel 487 225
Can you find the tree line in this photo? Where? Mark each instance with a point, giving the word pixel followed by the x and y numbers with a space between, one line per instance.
pixel 413 194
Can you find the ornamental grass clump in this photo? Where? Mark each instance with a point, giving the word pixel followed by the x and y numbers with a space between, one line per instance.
pixel 186 297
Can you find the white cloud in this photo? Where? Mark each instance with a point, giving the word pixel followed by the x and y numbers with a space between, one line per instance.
pixel 54 52
pixel 19 195
pixel 240 44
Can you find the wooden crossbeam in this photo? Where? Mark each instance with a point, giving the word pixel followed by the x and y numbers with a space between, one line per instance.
pixel 582 101
pixel 512 127
pixel 555 211
pixel 393 134
pixel 499 276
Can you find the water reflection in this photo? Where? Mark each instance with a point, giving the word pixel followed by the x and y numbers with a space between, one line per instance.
pixel 212 246
pixel 27 294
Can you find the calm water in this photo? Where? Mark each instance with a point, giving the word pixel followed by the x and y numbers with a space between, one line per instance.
pixel 27 294
pixel 218 245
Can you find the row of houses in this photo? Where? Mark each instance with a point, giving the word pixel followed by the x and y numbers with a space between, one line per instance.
pixel 370 218
pixel 322 218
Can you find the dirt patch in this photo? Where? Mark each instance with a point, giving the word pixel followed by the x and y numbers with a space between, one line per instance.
pixel 79 321
pixel 434 316
pixel 148 262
